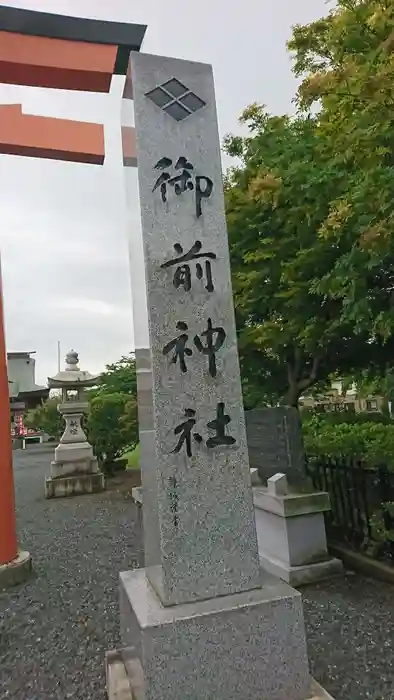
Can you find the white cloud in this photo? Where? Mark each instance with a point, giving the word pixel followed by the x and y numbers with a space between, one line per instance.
pixel 86 306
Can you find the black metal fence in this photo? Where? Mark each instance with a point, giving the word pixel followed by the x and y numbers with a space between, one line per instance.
pixel 362 504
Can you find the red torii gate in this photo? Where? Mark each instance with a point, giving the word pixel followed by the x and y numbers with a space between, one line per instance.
pixel 54 51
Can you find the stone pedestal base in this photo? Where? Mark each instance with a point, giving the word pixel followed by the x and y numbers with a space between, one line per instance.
pixel 291 535
pixel 72 459
pixel 130 686
pixel 16 571
pixel 247 646
pixel 74 485
pixel 302 575
pixel 123 686
pixel 73 468
pixel 74 471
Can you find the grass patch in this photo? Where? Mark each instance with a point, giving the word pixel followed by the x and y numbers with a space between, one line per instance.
pixel 133 458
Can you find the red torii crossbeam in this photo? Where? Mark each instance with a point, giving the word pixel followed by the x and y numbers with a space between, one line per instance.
pixel 53 51
pixel 45 137
pixel 55 63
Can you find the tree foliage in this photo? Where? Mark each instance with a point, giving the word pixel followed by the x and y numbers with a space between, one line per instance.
pixel 346 62
pixel 47 418
pixel 112 421
pixel 119 377
pixel 372 383
pixel 291 334
pixel 310 211
pixel 112 425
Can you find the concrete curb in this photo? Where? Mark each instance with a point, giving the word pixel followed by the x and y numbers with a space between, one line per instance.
pixel 16 571
pixel 358 562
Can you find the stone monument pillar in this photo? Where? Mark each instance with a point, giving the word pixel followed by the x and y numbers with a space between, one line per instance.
pixel 200 621
pixel 75 468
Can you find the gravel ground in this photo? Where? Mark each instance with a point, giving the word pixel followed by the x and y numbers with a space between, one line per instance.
pixel 350 628
pixel 55 630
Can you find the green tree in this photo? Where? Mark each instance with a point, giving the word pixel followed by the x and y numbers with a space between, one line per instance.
pixel 291 334
pixel 119 377
pixel 112 426
pixel 47 418
pixel 346 64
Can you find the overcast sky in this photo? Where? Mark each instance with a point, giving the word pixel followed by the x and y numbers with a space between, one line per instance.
pixel 63 228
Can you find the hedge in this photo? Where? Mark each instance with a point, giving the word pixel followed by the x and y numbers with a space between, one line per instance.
pixel 371 442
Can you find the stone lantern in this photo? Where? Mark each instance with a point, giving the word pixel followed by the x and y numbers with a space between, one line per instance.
pixel 75 469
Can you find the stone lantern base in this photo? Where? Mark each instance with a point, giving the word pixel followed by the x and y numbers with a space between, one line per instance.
pixel 74 485
pixel 74 471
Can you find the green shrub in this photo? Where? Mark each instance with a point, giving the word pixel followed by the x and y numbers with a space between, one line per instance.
pixel 47 418
pixel 112 427
pixel 334 417
pixel 368 441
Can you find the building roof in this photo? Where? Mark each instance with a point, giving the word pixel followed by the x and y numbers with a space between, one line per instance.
pixel 12 355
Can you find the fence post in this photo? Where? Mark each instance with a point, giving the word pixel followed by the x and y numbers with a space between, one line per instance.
pixel 385 495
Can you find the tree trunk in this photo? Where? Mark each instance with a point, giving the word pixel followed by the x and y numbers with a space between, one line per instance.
pixel 298 380
pixel 292 397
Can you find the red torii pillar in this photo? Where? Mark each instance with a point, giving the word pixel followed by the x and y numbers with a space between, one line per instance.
pixel 55 51
pixel 8 541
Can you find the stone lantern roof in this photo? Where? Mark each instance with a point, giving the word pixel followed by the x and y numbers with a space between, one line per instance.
pixel 72 376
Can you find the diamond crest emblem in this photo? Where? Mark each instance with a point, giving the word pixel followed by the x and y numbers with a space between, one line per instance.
pixel 174 98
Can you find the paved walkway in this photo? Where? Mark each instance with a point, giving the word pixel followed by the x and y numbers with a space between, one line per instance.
pixel 55 630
